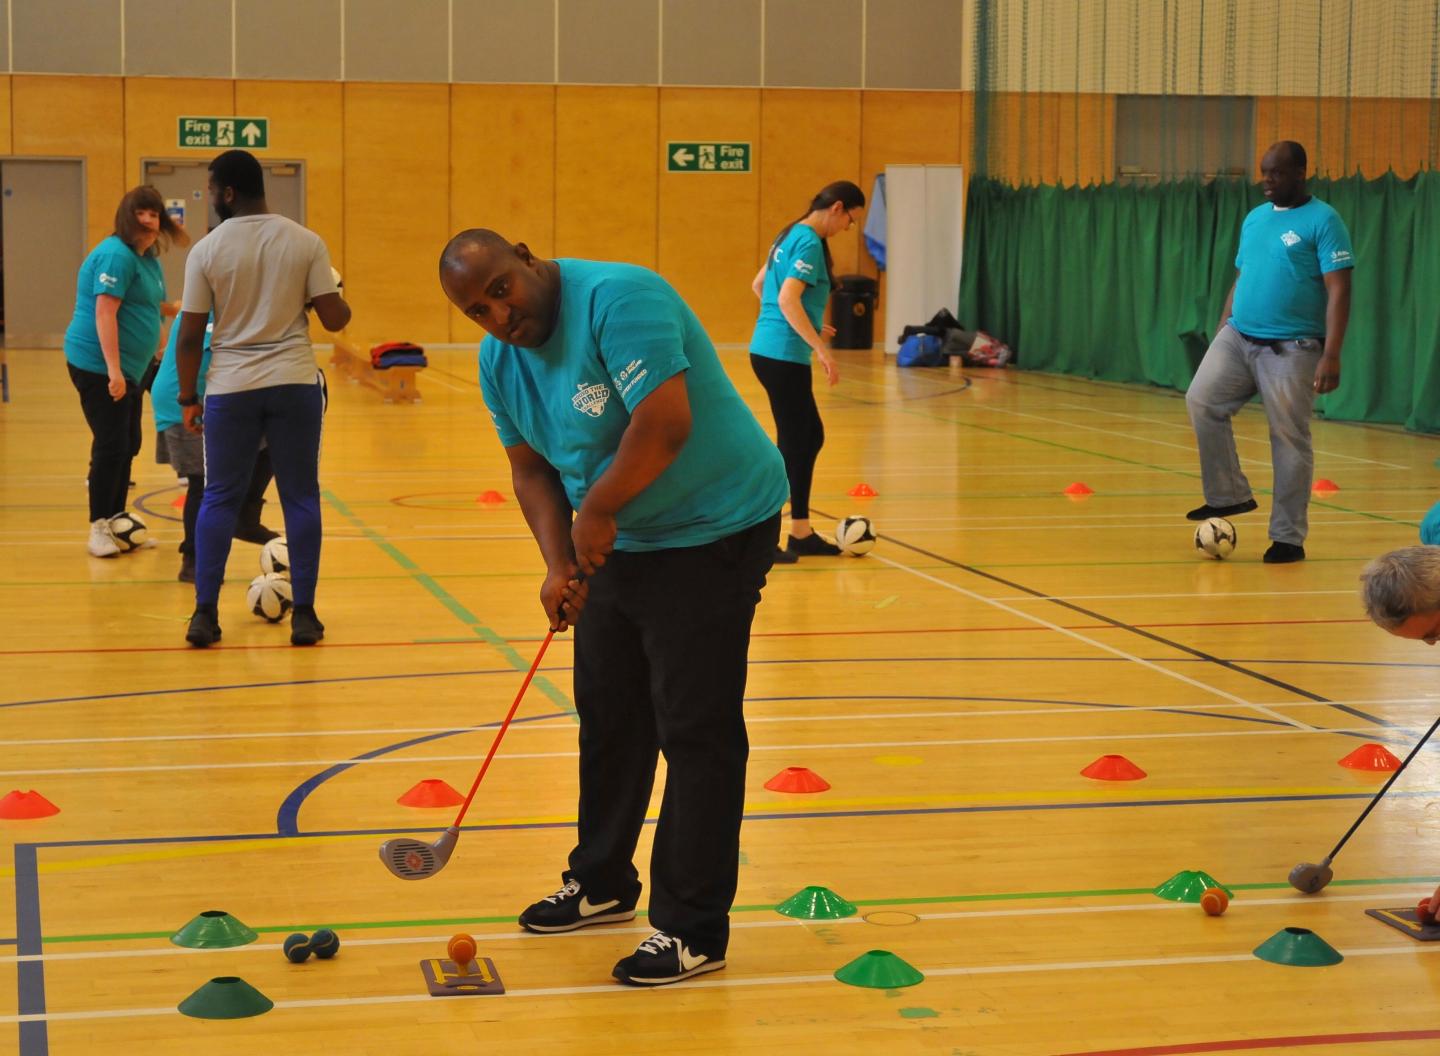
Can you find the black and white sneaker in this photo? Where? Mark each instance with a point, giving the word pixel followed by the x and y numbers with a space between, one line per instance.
pixel 571 908
pixel 662 959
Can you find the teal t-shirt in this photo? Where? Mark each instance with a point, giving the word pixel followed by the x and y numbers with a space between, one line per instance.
pixel 167 380
pixel 1284 254
pixel 622 331
pixel 115 269
pixel 799 255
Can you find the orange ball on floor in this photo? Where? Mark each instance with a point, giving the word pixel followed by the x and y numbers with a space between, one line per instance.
pixel 1214 901
pixel 461 950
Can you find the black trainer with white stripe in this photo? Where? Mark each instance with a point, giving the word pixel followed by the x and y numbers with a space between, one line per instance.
pixel 664 958
pixel 571 907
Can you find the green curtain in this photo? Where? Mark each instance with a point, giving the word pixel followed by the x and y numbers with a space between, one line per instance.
pixel 1126 283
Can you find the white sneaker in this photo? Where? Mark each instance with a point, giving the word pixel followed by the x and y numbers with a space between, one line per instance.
pixel 102 542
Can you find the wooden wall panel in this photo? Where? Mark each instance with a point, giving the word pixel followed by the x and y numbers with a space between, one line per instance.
pixel 808 139
pixel 502 169
pixel 76 117
pixel 306 124
pixel 5 114
pixel 606 173
pixel 708 221
pixel 152 107
pixel 397 209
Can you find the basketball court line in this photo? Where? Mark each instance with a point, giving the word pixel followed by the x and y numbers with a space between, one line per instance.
pixel 732 983
pixel 1231 665
pixel 1290 728
pixel 1101 646
pixel 1076 708
pixel 1185 425
pixel 514 933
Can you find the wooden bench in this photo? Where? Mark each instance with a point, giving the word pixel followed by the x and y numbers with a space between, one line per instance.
pixel 396 385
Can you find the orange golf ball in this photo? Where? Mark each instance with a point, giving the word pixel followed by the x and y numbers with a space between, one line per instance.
pixel 1214 901
pixel 461 950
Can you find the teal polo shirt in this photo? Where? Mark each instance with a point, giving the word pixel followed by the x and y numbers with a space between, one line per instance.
pixel 115 269
pixel 167 380
pixel 1283 258
pixel 621 332
pixel 799 255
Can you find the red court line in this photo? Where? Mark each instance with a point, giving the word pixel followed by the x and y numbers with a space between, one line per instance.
pixel 1265 1043
pixel 1029 627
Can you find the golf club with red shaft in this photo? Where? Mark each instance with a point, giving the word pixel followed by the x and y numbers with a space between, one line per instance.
pixel 412 859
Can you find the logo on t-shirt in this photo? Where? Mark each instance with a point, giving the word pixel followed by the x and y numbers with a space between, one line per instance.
pixel 1340 256
pixel 591 398
pixel 1290 238
pixel 803 267
pixel 107 280
pixel 630 376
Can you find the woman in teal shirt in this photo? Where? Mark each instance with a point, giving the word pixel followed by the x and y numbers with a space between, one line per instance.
pixel 793 286
pixel 113 336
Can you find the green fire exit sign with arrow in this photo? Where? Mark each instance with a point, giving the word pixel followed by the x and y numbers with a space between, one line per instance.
pixel 207 133
pixel 707 157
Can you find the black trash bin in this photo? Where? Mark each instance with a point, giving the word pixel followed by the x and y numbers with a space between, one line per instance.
pixel 852 311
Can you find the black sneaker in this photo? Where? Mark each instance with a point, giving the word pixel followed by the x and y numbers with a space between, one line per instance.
pixel 569 908
pixel 813 545
pixel 662 959
pixel 785 557
pixel 1204 513
pixel 305 626
pixel 1283 554
pixel 204 629
pixel 255 533
pixel 187 568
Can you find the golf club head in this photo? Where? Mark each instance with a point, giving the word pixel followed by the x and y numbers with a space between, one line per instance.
pixel 1308 879
pixel 412 859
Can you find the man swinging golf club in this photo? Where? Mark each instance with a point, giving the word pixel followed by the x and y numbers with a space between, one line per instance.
pixel 1401 594
pixel 635 462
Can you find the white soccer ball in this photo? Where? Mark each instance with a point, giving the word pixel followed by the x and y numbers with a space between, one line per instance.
pixel 1215 538
pixel 269 596
pixel 855 536
pixel 275 557
pixel 129 531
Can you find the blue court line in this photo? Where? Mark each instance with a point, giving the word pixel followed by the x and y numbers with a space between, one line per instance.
pixel 261 685
pixel 30 982
pixel 287 818
pixel 758 663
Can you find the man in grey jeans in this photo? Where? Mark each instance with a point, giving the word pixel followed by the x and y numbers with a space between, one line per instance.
pixel 1280 335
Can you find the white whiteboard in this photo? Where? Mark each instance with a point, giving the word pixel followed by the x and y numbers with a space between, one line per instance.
pixel 924 244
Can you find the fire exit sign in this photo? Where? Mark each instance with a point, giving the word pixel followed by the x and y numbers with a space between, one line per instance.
pixel 707 157
pixel 205 133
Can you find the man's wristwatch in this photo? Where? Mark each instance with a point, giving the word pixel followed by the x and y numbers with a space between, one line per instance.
pixel 187 401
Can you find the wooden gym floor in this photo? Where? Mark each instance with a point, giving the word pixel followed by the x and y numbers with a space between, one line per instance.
pixel 950 687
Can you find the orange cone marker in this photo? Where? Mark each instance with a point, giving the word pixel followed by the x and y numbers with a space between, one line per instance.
pixel 1079 488
pixel 863 491
pixel 491 498
pixel 1373 757
pixel 1113 768
pixel 32 804
pixel 432 792
pixel 797 779
pixel 1324 487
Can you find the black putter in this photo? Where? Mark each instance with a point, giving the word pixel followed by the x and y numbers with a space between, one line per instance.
pixel 1308 878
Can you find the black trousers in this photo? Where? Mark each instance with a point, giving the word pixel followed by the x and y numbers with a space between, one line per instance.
pixel 661 654
pixel 114 438
pixel 249 512
pixel 799 433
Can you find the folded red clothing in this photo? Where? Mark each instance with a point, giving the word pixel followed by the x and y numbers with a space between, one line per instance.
pixel 391 347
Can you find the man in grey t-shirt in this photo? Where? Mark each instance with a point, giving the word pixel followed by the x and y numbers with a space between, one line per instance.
pixel 258 272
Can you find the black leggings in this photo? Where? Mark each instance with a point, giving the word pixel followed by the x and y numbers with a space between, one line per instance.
pixel 799 433
pixel 115 438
